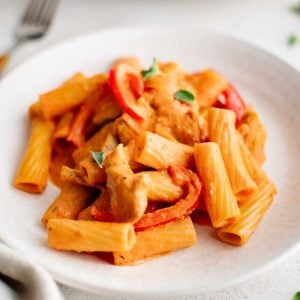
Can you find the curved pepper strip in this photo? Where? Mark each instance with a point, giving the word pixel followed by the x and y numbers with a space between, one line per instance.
pixel 102 215
pixel 126 83
pixel 136 84
pixel 182 177
pixel 233 101
pixel 79 124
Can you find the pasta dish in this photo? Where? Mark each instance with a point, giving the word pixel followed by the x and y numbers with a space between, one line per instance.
pixel 141 156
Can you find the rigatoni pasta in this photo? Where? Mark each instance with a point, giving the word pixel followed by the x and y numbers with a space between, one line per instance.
pixel 68 96
pixel 91 173
pixel 89 236
pixel 33 172
pixel 252 211
pixel 72 199
pixel 138 153
pixel 160 187
pixel 219 199
pixel 154 151
pixel 103 139
pixel 159 240
pixel 101 206
pixel 63 126
pixel 221 129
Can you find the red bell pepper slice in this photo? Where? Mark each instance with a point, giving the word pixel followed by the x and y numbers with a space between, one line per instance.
pixel 180 209
pixel 102 215
pixel 78 127
pixel 136 84
pixel 234 102
pixel 122 77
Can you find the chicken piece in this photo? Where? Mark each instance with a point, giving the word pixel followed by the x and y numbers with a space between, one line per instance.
pixel 181 120
pixel 127 190
pixel 173 118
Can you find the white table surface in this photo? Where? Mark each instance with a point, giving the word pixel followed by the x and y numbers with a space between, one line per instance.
pixel 266 23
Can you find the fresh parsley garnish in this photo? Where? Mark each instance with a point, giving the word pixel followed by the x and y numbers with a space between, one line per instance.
pixel 297 296
pixel 98 157
pixel 293 39
pixel 153 70
pixel 296 8
pixel 185 96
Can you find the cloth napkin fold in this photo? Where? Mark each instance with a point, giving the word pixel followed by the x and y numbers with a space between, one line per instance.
pixel 21 278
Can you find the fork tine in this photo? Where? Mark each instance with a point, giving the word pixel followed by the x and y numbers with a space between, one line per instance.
pixel 30 11
pixel 42 11
pixel 36 19
pixel 48 12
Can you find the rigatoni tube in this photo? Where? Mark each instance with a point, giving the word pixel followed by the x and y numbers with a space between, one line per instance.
pixel 90 236
pixel 102 203
pixel 160 187
pixel 103 140
pixel 252 212
pixel 68 96
pixel 154 151
pixel 159 240
pixel 33 173
pixel 219 199
pixel 91 172
pixel 221 130
pixel 63 126
pixel 72 199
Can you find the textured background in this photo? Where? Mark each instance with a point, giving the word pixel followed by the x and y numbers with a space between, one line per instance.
pixel 265 23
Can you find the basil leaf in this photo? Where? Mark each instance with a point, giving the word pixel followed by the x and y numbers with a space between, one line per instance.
pixel 293 40
pixel 153 70
pixel 185 96
pixel 98 157
pixel 296 8
pixel 297 296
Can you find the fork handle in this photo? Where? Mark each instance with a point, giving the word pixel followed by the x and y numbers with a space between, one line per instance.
pixel 3 61
pixel 4 58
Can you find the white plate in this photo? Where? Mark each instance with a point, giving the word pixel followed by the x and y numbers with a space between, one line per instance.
pixel 269 84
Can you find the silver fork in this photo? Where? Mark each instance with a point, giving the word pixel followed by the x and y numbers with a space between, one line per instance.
pixel 33 25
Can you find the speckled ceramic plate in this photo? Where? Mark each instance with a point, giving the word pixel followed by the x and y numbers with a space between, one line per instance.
pixel 271 85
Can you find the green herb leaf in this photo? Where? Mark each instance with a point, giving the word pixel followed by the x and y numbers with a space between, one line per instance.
pixel 185 96
pixel 297 296
pixel 296 8
pixel 98 157
pixel 153 70
pixel 293 40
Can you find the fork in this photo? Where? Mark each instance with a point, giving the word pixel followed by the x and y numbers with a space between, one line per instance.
pixel 33 25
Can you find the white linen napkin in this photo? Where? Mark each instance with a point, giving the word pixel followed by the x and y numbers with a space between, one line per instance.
pixel 21 278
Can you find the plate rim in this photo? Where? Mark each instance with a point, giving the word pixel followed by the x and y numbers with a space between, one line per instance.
pixel 73 282
pixel 203 30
